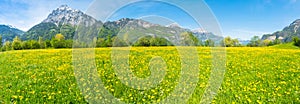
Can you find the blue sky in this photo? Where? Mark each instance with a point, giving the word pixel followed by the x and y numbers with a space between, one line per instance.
pixel 164 14
pixel 237 18
pixel 244 18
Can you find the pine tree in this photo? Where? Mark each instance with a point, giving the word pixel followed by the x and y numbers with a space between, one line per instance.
pixel 7 46
pixel 42 43
pixel 1 41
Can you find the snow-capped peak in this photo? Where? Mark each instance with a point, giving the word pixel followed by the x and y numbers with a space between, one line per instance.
pixel 199 30
pixel 67 15
pixel 64 7
pixel 173 25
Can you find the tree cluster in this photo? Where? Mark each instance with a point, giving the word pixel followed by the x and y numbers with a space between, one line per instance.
pixel 257 42
pixel 229 42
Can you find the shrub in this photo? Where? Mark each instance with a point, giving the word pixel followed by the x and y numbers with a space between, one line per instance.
pixel 296 41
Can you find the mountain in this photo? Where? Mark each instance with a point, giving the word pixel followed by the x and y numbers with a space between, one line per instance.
pixel 174 25
pixel 67 15
pixel 62 20
pixel 65 20
pixel 203 35
pixel 136 28
pixel 244 42
pixel 114 27
pixel 287 34
pixel 8 33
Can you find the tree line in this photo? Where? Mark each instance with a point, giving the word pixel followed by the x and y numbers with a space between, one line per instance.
pixel 17 44
pixel 187 39
pixel 59 41
pixel 257 42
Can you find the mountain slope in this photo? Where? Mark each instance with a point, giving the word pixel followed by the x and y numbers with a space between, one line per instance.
pixel 8 33
pixel 287 34
pixel 44 30
pixel 285 46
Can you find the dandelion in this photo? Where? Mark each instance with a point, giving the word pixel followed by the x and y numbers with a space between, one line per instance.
pixel 21 97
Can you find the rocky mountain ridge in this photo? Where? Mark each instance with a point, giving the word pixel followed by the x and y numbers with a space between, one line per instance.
pixel 285 35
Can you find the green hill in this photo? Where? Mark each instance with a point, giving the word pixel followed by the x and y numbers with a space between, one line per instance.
pixel 286 46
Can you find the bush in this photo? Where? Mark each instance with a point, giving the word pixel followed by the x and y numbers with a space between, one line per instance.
pixel 229 42
pixel 296 41
pixel 55 43
pixel 145 41
pixel 152 41
pixel 68 43
pixel 209 43
pixel 17 43
pixel 34 44
pixel 1 44
pixel 255 42
pixel 48 44
pixel 26 45
pixel 31 44
pixel 188 39
pixel 7 46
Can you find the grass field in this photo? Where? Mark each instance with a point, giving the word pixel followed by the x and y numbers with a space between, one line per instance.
pixel 253 75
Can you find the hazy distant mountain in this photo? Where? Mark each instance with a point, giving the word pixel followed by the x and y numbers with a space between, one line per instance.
pixel 8 33
pixel 62 20
pixel 174 25
pixel 203 35
pixel 244 42
pixel 286 34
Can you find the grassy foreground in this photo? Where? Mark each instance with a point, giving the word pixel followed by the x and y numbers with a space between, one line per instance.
pixel 253 75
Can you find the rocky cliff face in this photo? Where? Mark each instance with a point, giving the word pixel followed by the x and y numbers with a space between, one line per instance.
pixel 67 15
